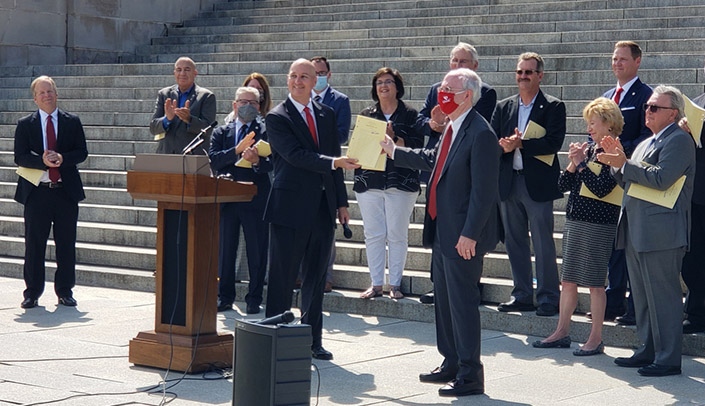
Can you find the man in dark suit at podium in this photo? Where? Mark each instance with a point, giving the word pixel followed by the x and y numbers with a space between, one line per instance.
pixel 229 144
pixel 52 141
pixel 182 111
pixel 307 191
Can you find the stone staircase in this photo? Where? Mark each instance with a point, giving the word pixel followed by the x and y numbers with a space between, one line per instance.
pixel 115 101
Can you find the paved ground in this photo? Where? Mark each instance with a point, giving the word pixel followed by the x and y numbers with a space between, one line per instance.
pixel 63 356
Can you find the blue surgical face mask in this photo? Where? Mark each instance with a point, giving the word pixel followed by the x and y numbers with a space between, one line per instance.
pixel 321 83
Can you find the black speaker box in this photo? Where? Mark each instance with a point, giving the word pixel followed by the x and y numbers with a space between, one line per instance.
pixel 271 364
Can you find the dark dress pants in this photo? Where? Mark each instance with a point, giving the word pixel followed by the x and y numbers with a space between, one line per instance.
pixel 256 231
pixel 46 207
pixel 307 248
pixel 693 271
pixel 458 327
pixel 617 284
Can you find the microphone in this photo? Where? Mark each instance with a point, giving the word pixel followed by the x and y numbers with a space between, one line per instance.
pixel 284 318
pixel 197 140
pixel 347 232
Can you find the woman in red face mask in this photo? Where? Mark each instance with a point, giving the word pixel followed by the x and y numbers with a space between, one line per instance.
pixel 386 199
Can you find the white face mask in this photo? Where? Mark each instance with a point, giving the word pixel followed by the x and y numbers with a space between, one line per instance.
pixel 321 83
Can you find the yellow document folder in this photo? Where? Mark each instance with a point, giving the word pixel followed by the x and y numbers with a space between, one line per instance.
pixel 263 150
pixel 364 143
pixel 534 131
pixel 666 198
pixel 614 197
pixel 31 174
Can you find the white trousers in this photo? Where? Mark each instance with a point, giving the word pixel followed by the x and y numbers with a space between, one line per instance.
pixel 385 216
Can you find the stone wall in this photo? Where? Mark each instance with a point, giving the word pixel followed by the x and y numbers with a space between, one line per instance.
pixel 43 32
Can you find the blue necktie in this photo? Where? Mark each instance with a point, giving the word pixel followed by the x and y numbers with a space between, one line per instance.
pixel 241 134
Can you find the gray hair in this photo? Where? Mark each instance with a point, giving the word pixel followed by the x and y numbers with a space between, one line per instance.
pixel 467 48
pixel 676 99
pixel 247 89
pixel 470 80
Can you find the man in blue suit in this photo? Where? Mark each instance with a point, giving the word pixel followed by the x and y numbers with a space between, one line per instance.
pixel 229 144
pixel 50 140
pixel 460 225
pixel 307 192
pixel 339 102
pixel 630 94
pixel 656 237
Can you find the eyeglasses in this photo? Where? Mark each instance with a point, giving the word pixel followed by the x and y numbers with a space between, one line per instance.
pixel 242 102
pixel 322 73
pixel 527 72
pixel 654 108
pixel 385 82
pixel 450 90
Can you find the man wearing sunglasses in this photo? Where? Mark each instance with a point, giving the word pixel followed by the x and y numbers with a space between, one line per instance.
pixel 630 94
pixel 528 186
pixel 654 237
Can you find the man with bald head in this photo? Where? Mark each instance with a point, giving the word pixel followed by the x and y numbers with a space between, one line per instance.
pixel 182 111
pixel 307 192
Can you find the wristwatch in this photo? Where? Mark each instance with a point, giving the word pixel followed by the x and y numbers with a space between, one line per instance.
pixel 581 165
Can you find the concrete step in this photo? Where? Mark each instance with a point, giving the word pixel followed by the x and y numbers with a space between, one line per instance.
pixel 99 213
pixel 89 254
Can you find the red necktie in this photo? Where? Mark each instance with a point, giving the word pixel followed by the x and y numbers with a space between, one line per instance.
pixel 54 174
pixel 440 162
pixel 617 94
pixel 311 124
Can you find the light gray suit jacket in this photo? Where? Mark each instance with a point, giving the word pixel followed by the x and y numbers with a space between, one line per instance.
pixel 652 227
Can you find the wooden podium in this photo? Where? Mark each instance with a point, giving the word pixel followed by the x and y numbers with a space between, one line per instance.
pixel 185 337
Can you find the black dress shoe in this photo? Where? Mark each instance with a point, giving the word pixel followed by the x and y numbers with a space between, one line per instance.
pixel 631 362
pixel 692 328
pixel 252 309
pixel 515 306
pixel 547 310
pixel 461 388
pixel 659 370
pixel 223 306
pixel 321 353
pixel 29 303
pixel 427 298
pixel 560 343
pixel 626 320
pixel 610 315
pixel 68 301
pixel 437 375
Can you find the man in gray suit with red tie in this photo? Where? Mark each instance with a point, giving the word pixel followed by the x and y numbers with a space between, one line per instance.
pixel 529 185
pixel 307 191
pixel 461 226
pixel 182 111
pixel 53 141
pixel 655 237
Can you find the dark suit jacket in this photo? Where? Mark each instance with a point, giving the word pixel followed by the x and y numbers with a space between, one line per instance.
pixel 340 103
pixel 699 186
pixel 223 158
pixel 635 129
pixel 541 179
pixel 652 227
pixel 70 143
pixel 466 195
pixel 485 106
pixel 179 134
pixel 302 170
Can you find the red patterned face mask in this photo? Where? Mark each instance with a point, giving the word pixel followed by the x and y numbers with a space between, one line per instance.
pixel 446 101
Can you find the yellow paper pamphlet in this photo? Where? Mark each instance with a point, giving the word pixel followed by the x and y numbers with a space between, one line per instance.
pixel 534 131
pixel 364 143
pixel 263 150
pixel 695 115
pixel 31 174
pixel 666 198
pixel 613 197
